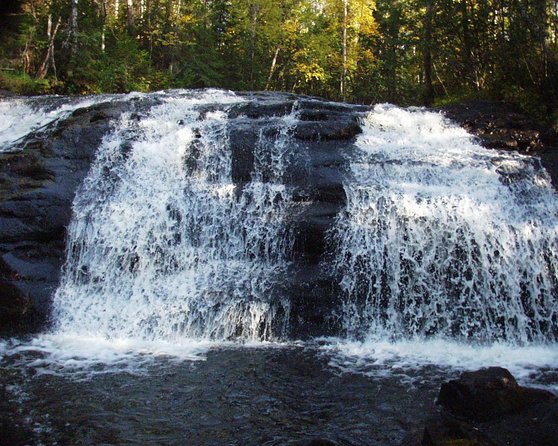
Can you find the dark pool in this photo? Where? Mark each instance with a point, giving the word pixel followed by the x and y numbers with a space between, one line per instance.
pixel 237 396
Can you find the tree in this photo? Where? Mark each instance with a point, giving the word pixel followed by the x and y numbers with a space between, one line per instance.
pixel 402 51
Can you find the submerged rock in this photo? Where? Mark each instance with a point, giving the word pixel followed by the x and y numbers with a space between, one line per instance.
pixel 448 431
pixel 318 442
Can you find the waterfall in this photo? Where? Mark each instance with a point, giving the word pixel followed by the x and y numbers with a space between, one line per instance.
pixel 164 245
pixel 441 237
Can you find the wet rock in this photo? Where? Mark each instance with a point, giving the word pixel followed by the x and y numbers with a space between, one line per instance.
pixel 449 431
pixel 13 302
pixel 489 408
pixel 324 134
pixel 38 185
pixel 268 106
pixel 338 129
pixel 502 126
pixel 7 93
pixel 17 313
pixel 488 394
pixel 37 188
pixel 318 442
pixel 242 142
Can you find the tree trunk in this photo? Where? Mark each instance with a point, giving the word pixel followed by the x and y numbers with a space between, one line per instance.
pixel 130 17
pixel 49 60
pixel 103 23
pixel 254 11
pixel 73 34
pixel 167 27
pixel 541 20
pixel 272 68
pixel 427 55
pixel 467 47
pixel 344 70
pixel 26 55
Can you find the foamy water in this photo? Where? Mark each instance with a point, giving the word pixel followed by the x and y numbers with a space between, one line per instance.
pixel 83 357
pixel 166 245
pixel 443 237
pixel 446 253
pixel 422 360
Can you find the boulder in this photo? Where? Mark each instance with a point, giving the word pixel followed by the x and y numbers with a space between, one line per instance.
pixel 445 430
pixel 488 407
pixel 488 394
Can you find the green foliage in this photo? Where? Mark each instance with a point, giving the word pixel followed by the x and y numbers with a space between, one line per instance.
pixel 123 68
pixel 22 83
pixel 401 51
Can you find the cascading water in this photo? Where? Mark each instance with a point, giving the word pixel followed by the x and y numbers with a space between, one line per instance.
pixel 23 116
pixel 442 237
pixel 163 245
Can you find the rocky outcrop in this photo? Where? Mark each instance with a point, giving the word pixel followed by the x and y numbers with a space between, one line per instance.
pixel 489 408
pixel 502 126
pixel 38 185
pixel 323 137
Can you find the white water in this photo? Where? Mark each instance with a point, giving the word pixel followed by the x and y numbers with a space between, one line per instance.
pixel 164 246
pixel 420 360
pixel 443 237
pixel 84 357
pixel 21 116
pixel 447 253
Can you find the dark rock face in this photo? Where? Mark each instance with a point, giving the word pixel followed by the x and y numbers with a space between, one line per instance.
pixel 489 408
pixel 500 125
pixel 323 137
pixel 38 185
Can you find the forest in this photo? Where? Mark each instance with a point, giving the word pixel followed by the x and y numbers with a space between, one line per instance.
pixel 422 52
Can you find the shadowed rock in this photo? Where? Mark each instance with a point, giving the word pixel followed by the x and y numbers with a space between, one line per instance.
pixel 489 408
pixel 502 126
pixel 37 188
pixel 488 394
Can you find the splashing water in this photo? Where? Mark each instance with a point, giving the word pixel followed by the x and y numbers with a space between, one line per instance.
pixel 443 237
pixel 164 246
